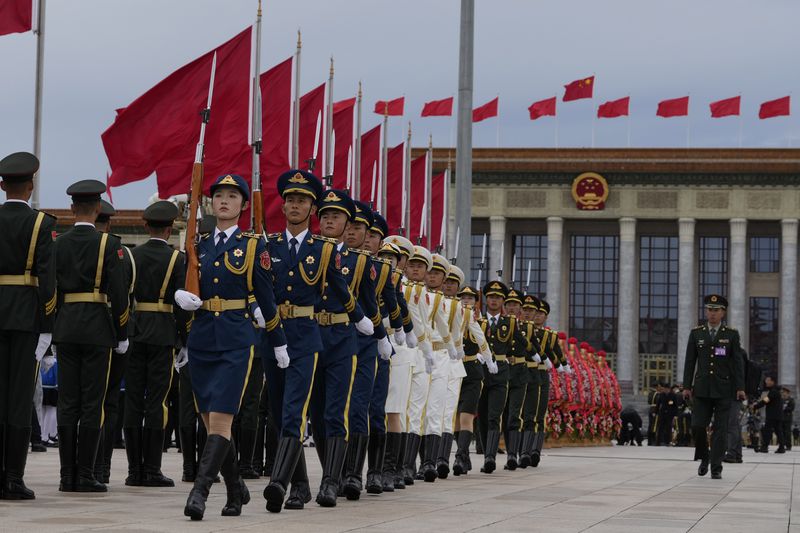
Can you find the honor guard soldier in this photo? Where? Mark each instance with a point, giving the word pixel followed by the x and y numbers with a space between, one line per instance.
pixel 517 380
pixel 90 276
pixel 159 326
pixel 304 267
pixel 102 464
pixel 476 354
pixel 713 377
pixel 533 389
pixel 233 266
pixel 363 277
pixel 28 304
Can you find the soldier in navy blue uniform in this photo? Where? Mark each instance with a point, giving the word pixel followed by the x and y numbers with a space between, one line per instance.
pixel 360 270
pixel 304 266
pixel 233 266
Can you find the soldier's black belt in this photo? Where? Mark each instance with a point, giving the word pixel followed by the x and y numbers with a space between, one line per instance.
pixel 153 307
pixel 330 319
pixel 295 311
pixel 20 280
pixel 85 298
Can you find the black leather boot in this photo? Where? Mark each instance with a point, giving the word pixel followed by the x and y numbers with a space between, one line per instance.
pixel 152 454
pixel 102 464
pixel 431 453
pixel 375 454
pixel 300 493
pixel 390 455
pixel 354 466
pixel 188 436
pixel 247 443
pixel 270 448
pixel 460 465
pixel 133 449
pixel 538 443
pixel 410 459
pixel 67 453
pixel 286 457
pixel 88 440
pixel 419 476
pixel 16 455
pixel 399 471
pixel 238 494
pixel 335 450
pixel 490 451
pixel 214 453
pixel 443 460
pixel 526 449
pixel 512 449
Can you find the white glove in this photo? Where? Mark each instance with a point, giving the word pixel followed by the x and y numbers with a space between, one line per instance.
pixel 122 347
pixel 561 369
pixel 48 362
pixel 399 337
pixel 187 301
pixel 259 316
pixel 385 348
pixel 53 350
pixel 481 358
pixel 537 358
pixel 548 363
pixel 182 359
pixel 427 350
pixel 282 356
pixel 411 339
pixel 44 342
pixel 492 366
pixel 460 353
pixel 365 327
pixel 428 366
pixel 452 352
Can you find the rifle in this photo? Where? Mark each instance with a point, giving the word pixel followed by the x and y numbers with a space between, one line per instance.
pixel 193 265
pixel 257 205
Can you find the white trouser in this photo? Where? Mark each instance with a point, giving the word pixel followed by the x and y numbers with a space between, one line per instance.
pixel 400 382
pixel 437 393
pixel 49 422
pixel 451 403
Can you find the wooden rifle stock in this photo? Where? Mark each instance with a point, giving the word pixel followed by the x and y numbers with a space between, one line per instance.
pixel 258 212
pixel 192 262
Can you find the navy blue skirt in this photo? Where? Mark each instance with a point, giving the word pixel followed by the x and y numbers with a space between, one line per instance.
pixel 219 378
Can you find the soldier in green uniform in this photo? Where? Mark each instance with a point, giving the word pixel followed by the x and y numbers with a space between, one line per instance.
pixel 713 376
pixel 159 325
pixel 27 307
pixel 517 381
pixel 89 276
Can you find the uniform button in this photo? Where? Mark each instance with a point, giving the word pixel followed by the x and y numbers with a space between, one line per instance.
pixel 324 297
pixel 287 302
pixel 326 283
pixel 216 313
pixel 216 263
pixel 247 315
pixel 289 288
pixel 216 280
pixel 712 372
pixel 291 273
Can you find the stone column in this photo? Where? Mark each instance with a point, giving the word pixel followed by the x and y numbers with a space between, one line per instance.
pixel 627 306
pixel 787 321
pixel 738 303
pixel 497 236
pixel 555 241
pixel 687 289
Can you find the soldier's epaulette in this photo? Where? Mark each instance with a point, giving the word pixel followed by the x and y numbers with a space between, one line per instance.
pixel 381 260
pixel 249 235
pixel 55 218
pixel 729 328
pixel 205 235
pixel 325 239
pixel 276 235
pixel 698 327
pixel 359 251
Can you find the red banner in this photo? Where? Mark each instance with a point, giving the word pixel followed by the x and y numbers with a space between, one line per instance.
pixel 675 107
pixel 371 165
pixel 392 108
pixel 16 16
pixel 543 108
pixel 726 108
pixel 395 167
pixel 614 108
pixel 311 130
pixel 775 108
pixel 438 208
pixel 438 108
pixel 419 168
pixel 579 89
pixel 342 143
pixel 487 110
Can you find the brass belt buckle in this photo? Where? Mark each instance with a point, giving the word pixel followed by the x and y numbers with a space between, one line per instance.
pixel 324 319
pixel 215 304
pixel 287 311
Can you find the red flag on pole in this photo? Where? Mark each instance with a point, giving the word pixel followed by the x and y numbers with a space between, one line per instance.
pixel 775 108
pixel 675 107
pixel 16 16
pixel 487 110
pixel 438 184
pixel 543 108
pixel 614 108
pixel 370 165
pixel 579 89
pixel 725 108
pixel 343 146
pixel 158 131
pixel 311 136
pixel 419 167
pixel 395 168
pixel 392 108
pixel 438 108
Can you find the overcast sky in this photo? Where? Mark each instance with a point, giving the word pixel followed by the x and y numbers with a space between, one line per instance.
pixel 102 54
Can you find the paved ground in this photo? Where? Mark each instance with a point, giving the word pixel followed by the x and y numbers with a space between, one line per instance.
pixel 609 489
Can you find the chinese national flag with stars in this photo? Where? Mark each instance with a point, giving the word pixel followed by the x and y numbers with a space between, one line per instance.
pixel 579 89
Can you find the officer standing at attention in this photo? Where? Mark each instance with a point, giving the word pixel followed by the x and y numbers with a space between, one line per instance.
pixel 158 324
pixel 713 377
pixel 518 379
pixel 89 275
pixel 233 266
pixel 28 303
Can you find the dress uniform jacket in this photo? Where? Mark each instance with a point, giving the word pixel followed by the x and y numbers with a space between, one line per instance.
pixel 714 369
pixel 474 343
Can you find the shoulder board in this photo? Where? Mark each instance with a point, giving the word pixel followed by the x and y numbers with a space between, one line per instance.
pixel 249 235
pixel 273 235
pixel 698 327
pixel 325 239
pixel 362 252
pixel 115 236
pixel 205 235
pixel 46 214
pixel 730 329
pixel 381 260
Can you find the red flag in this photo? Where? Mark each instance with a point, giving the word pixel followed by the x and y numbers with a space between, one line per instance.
pixel 676 107
pixel 775 108
pixel 487 110
pixel 342 143
pixel 438 184
pixel 419 168
pixel 395 168
pixel 543 108
pixel 276 120
pixel 370 165
pixel 311 131
pixel 579 89
pixel 16 16
pixel 392 108
pixel 108 189
pixel 614 108
pixel 726 108
pixel 438 108
pixel 159 130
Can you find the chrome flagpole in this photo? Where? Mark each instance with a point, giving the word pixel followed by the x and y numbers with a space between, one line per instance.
pixel 37 113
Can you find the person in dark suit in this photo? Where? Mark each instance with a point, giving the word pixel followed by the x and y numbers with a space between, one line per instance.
pixel 773 423
pixel 27 308
pixel 713 377
pixel 233 267
pixel 90 276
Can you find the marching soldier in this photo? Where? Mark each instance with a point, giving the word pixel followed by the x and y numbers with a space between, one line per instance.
pixel 89 275
pixel 28 303
pixel 304 267
pixel 159 326
pixel 533 390
pixel 517 380
pixel 713 377
pixel 102 465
